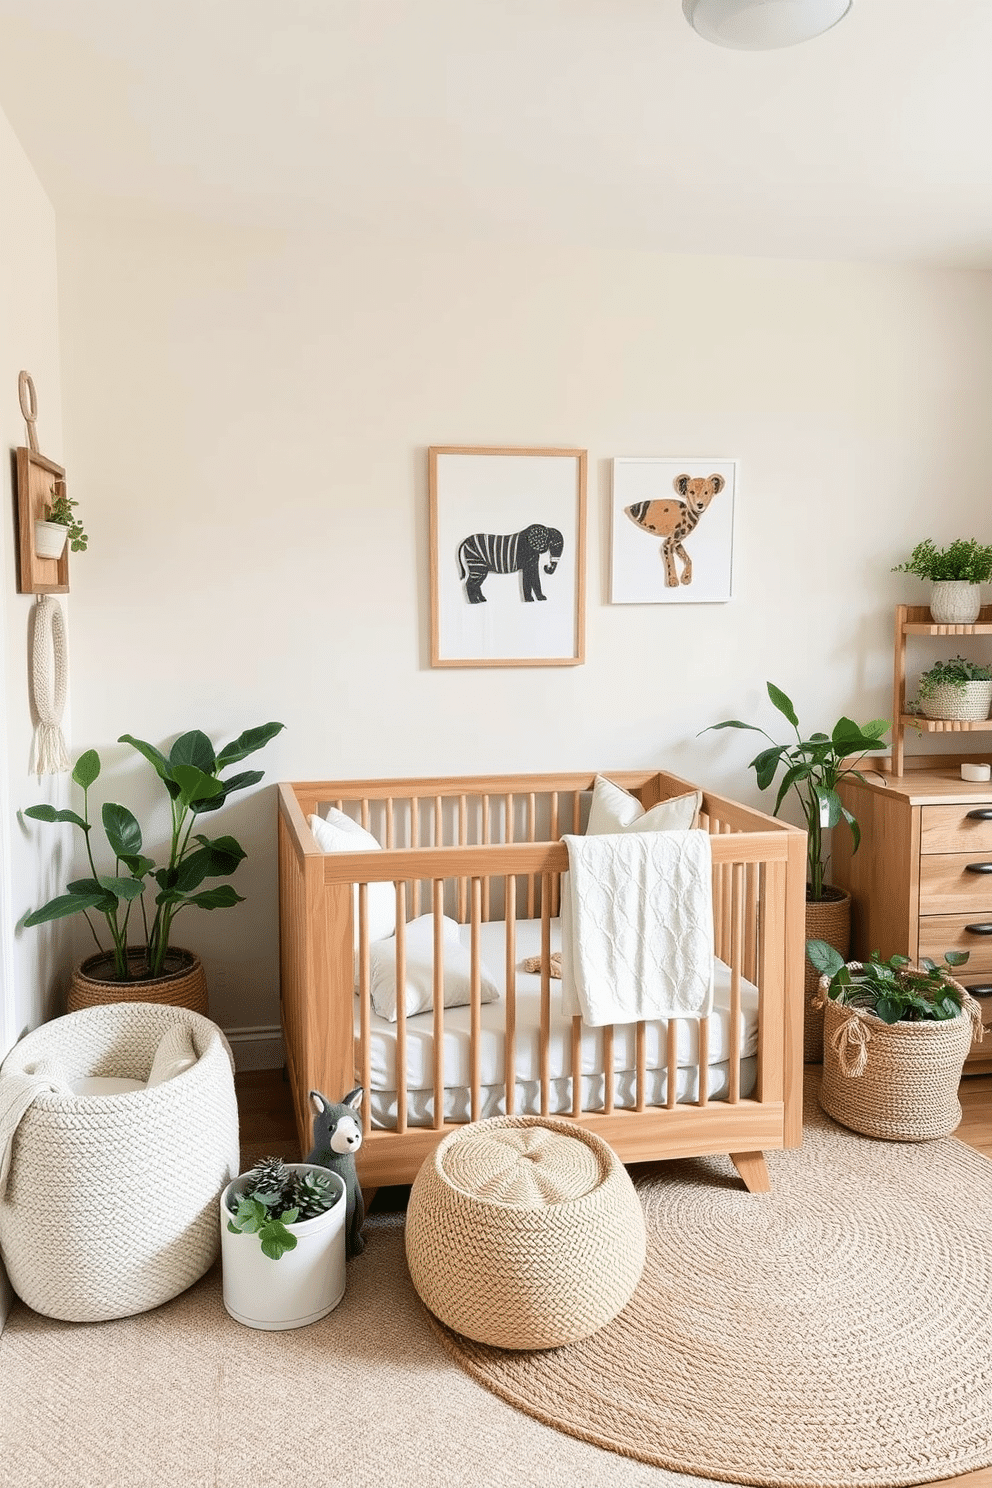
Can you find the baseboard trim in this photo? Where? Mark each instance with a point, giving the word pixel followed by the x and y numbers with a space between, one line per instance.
pixel 256 1048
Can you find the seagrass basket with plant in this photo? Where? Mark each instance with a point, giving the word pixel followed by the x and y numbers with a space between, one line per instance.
pixel 895 1038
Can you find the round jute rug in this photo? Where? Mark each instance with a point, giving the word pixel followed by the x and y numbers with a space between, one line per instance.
pixel 835 1333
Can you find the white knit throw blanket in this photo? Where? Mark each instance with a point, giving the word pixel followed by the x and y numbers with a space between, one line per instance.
pixel 49 671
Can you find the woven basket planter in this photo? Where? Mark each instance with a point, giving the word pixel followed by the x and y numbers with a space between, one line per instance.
pixel 829 920
pixel 110 1205
pixel 968 703
pixel 524 1232
pixel 184 983
pixel 896 1081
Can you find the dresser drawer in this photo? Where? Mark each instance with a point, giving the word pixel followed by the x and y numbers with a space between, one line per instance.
pixel 956 883
pixel 940 933
pixel 966 827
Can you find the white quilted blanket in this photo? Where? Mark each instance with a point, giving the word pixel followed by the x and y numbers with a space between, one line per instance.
pixel 637 926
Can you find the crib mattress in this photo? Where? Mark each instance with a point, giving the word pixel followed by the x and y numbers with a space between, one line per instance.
pixel 457 1036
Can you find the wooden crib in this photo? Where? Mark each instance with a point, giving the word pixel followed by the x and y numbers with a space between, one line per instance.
pixel 487 849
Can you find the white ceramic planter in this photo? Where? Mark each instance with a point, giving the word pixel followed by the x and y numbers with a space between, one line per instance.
pixel 303 1284
pixel 954 602
pixel 50 539
pixel 969 703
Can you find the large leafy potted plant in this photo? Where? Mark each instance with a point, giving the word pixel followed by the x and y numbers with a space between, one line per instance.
pixel 147 967
pixel 895 1040
pixel 812 769
pixel 955 574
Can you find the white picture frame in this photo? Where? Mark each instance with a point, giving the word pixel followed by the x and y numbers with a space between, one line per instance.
pixel 507 556
pixel 652 498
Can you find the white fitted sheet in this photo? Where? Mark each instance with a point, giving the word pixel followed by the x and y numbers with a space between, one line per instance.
pixel 457 1045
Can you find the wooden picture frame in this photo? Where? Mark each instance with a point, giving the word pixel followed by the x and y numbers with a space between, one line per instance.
pixel 507 556
pixel 672 530
pixel 36 476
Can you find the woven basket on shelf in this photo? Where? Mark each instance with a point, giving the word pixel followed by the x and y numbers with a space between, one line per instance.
pixel 184 983
pixel 829 920
pixel 897 1081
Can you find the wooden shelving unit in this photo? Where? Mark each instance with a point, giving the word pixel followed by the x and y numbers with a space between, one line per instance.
pixel 914 620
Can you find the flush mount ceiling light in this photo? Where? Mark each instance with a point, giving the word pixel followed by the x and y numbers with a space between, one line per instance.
pixel 763 25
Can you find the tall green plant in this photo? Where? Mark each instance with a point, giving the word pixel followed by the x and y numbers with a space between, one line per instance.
pixel 814 767
pixel 191 774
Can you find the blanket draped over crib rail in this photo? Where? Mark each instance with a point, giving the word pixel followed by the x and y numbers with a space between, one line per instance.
pixel 637 927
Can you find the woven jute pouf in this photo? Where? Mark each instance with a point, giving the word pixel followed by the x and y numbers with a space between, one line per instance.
pixel 524 1232
pixel 829 920
pixel 183 984
pixel 110 1204
pixel 897 1081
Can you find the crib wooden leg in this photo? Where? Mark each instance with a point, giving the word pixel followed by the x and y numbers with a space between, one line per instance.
pixel 753 1169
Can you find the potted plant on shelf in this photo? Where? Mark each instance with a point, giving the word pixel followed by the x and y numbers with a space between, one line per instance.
pixel 957 689
pixel 813 768
pixel 955 574
pixel 148 968
pixel 59 526
pixel 283 1244
pixel 895 1040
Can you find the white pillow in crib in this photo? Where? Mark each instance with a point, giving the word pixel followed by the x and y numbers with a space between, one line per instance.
pixel 616 810
pixel 420 970
pixel 338 833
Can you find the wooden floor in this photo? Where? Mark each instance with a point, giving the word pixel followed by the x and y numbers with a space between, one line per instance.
pixel 267 1128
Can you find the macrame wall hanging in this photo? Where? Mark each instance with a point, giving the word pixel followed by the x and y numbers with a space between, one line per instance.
pixel 49 679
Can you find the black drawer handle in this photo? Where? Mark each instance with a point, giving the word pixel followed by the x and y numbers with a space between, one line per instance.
pixel 983 989
pixel 979 929
pixel 978 867
pixel 981 813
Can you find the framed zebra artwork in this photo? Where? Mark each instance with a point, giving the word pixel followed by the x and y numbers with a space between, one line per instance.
pixel 507 556
pixel 673 531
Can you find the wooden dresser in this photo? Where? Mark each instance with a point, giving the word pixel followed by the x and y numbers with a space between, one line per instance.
pixel 921 882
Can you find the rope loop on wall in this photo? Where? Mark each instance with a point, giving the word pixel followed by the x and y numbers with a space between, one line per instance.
pixel 49 679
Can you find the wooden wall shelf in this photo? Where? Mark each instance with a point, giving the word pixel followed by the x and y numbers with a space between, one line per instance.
pixel 35 477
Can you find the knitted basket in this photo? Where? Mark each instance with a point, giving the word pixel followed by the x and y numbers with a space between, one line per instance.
pixel 110 1205
pixel 524 1232
pixel 897 1081
pixel 183 984
pixel 829 920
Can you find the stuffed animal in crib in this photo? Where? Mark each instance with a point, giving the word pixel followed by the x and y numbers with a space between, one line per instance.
pixel 337 1136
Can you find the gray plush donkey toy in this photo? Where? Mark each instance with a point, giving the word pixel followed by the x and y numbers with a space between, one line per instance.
pixel 337 1136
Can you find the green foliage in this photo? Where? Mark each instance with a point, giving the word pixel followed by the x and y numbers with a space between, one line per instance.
pixel 277 1196
pixel 60 510
pixel 953 673
pixel 964 559
pixel 813 768
pixel 191 774
pixel 886 988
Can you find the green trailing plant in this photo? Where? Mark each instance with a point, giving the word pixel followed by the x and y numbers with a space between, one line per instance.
pixel 964 560
pixel 953 673
pixel 277 1196
pixel 887 988
pixel 61 509
pixel 192 776
pixel 813 768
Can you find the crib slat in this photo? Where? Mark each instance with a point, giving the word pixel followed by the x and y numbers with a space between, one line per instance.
pixel 672 1064
pixel 438 912
pixel 736 957
pixel 553 835
pixel 545 1038
pixel 476 993
pixel 576 1066
pixel 641 1087
pixel 365 1002
pixel 390 824
pixel 486 838
pixel 462 842
pixel 401 1064
pixel 608 1069
pixel 751 923
pixel 510 1046
pixel 531 837
pixel 703 1063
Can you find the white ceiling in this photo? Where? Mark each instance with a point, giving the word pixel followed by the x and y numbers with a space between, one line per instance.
pixel 601 122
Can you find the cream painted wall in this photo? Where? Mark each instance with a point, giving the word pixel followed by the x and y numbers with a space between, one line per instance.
pixel 247 419
pixel 31 871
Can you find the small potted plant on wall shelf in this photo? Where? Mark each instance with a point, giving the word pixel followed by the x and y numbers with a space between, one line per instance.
pixel 955 574
pixel 59 526
pixel 958 689
pixel 813 768
pixel 147 967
